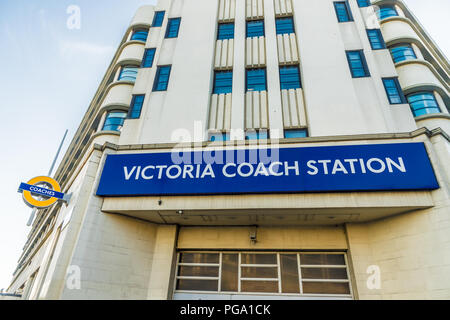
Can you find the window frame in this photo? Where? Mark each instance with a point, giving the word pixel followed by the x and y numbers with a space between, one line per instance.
pixel 216 72
pixel 409 49
pixel 247 70
pixel 386 6
pixel 297 67
pixel 155 22
pixel 157 77
pixel 431 93
pixel 144 58
pixel 291 18
pixel 132 105
pixel 115 111
pixel 134 32
pixel 348 11
pixel 278 279
pixel 399 91
pixel 363 62
pixel 169 25
pixel 225 24
pixel 254 21
pixel 380 38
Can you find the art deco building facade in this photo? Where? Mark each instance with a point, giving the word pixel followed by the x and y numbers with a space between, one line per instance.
pixel 321 78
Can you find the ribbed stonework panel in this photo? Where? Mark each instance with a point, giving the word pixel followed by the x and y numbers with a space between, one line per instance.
pixel 256 110
pixel 283 7
pixel 255 9
pixel 294 113
pixel 227 10
pixel 256 52
pixel 224 54
pixel 287 48
pixel 220 112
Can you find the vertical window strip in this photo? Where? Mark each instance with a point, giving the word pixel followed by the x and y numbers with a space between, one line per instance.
pixel 162 78
pixel 173 28
pixel 394 91
pixel 343 11
pixel 376 39
pixel 149 56
pixel 158 19
pixel 358 64
pixel 364 3
pixel 136 106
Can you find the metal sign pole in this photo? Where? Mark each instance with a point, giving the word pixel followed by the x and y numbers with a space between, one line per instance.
pixel 33 213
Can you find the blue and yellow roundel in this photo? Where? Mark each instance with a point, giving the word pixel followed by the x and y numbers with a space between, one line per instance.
pixel 49 195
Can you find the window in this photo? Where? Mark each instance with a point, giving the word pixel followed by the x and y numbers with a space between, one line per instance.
pixel 223 82
pixel 162 78
pixel 301 273
pixel 149 56
pixel 219 136
pixel 128 73
pixel 256 134
pixel 394 91
pixel 158 19
pixel 376 39
pixel 295 133
pixel 402 52
pixel 386 11
pixel 358 64
pixel 343 11
pixel 226 31
pixel 290 78
pixel 423 103
pixel 140 35
pixel 256 79
pixel 136 106
pixel 114 121
pixel 364 3
pixel 255 28
pixel 173 27
pixel 285 25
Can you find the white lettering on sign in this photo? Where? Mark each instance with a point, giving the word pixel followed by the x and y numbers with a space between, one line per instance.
pixel 277 169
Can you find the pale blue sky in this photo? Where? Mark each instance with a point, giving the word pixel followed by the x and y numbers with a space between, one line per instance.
pixel 51 73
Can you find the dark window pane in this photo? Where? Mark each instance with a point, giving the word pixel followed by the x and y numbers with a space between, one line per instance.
pixel 324 273
pixel 259 286
pixel 199 258
pixel 326 287
pixel 256 80
pixel 223 82
pixel 289 78
pixel 284 25
pixel 173 28
pixel 248 258
pixel 255 28
pixel 198 285
pixel 289 273
pixel 140 35
pixel 198 271
pixel 230 270
pixel 226 31
pixel 259 272
pixel 158 19
pixel 322 259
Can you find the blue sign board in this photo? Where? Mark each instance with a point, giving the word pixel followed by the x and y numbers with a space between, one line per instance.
pixel 374 167
pixel 36 190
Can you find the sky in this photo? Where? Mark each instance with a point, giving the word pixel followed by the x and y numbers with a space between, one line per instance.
pixel 53 73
